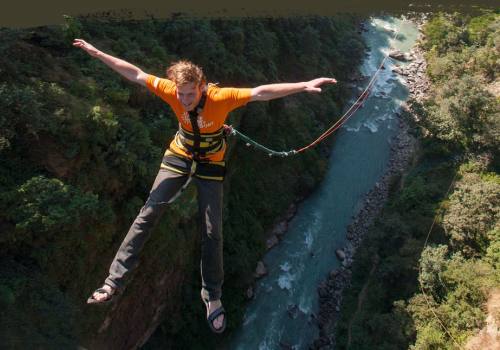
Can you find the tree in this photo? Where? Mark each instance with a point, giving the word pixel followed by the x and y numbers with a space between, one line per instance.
pixel 464 113
pixel 473 211
pixel 445 32
pixel 432 266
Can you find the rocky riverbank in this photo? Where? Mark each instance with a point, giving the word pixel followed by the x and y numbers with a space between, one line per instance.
pixel 273 238
pixel 402 150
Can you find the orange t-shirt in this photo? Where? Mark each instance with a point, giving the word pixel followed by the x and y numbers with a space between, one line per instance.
pixel 219 102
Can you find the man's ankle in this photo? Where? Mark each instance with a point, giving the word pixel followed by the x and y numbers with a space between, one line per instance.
pixel 109 288
pixel 215 302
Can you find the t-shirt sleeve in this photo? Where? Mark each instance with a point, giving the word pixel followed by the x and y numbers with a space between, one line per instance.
pixel 234 97
pixel 161 87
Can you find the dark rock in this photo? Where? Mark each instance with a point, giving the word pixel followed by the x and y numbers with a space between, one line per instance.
pixel 334 273
pixel 398 55
pixel 290 213
pixel 285 345
pixel 293 311
pixel 280 228
pixel 399 71
pixel 340 254
pixel 323 292
pixel 261 270
pixel 249 293
pixel 271 242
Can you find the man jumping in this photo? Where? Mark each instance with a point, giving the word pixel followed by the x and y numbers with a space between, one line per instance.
pixel 196 153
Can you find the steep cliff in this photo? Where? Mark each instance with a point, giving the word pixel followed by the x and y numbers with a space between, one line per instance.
pixel 79 149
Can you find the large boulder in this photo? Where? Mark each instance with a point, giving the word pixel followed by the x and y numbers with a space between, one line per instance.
pixel 261 270
pixel 249 293
pixel 340 254
pixel 272 241
pixel 280 229
pixel 400 56
pixel 399 70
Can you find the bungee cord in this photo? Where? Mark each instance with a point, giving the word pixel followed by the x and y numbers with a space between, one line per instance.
pixel 339 123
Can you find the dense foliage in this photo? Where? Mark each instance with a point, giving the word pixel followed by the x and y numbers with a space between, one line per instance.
pixel 431 294
pixel 80 146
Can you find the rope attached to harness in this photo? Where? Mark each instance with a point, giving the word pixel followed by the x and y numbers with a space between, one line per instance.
pixel 348 114
pixel 249 142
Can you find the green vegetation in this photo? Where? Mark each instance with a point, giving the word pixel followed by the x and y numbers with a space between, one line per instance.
pixel 80 147
pixel 431 296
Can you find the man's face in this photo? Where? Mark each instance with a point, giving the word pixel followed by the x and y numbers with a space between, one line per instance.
pixel 189 95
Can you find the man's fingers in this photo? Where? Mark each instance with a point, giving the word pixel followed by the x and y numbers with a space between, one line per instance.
pixel 321 81
pixel 314 90
pixel 330 80
pixel 80 43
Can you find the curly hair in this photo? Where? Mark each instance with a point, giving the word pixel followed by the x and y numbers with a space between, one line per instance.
pixel 182 72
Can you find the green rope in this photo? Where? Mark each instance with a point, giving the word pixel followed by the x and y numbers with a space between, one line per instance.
pixel 350 112
pixel 249 142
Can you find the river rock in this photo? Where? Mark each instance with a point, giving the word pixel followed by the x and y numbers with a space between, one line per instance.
pixel 280 228
pixel 293 311
pixel 323 290
pixel 340 254
pixel 261 270
pixel 400 56
pixel 285 346
pixel 290 213
pixel 272 241
pixel 397 55
pixel 400 71
pixel 249 293
pixel 333 273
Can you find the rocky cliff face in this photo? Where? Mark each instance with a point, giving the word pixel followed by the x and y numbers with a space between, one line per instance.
pixel 135 314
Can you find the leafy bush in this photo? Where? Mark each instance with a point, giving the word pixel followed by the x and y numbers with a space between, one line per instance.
pixel 473 210
pixel 462 112
pixel 445 32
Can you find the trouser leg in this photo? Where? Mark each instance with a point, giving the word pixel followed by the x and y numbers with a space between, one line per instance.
pixel 165 187
pixel 210 196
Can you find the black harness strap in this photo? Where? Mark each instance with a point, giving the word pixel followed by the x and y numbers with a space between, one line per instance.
pixel 193 118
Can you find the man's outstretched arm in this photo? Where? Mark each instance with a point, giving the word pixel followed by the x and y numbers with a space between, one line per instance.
pixel 272 91
pixel 124 68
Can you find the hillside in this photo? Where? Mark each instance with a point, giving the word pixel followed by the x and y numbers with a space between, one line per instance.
pixel 80 147
pixel 425 272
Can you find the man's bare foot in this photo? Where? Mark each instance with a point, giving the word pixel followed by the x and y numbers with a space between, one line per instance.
pixel 102 295
pixel 212 306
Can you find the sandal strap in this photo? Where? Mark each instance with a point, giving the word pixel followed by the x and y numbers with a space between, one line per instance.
pixel 219 311
pixel 102 291
pixel 109 297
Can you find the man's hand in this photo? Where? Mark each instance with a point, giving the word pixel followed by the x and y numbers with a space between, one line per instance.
pixel 91 50
pixel 272 91
pixel 124 68
pixel 314 85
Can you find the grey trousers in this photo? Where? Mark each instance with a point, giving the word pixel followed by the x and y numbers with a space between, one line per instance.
pixel 166 185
